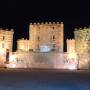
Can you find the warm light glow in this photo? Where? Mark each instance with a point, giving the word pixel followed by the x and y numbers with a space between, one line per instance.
pixel 13 57
pixel 72 55
pixel 13 66
pixel 72 67
pixel 12 61
pixel 45 48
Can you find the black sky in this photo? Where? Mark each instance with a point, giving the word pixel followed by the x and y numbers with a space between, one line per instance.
pixel 18 14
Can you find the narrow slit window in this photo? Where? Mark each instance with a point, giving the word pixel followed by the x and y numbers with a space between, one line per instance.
pixel 2 45
pixel 53 38
pixel 54 45
pixel 3 37
pixel 38 38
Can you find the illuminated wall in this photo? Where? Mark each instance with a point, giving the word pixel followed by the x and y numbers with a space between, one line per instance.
pixel 23 44
pixel 19 59
pixel 82 40
pixel 84 61
pixel 47 34
pixel 6 40
pixel 82 46
pixel 42 60
pixel 70 45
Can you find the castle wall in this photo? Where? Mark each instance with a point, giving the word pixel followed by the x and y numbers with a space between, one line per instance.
pixel 43 60
pixel 83 61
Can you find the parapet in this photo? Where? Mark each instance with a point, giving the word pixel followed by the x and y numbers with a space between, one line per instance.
pixel 72 39
pixel 6 29
pixel 22 40
pixel 82 28
pixel 47 23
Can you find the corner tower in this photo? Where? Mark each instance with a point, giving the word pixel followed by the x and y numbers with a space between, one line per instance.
pixel 6 40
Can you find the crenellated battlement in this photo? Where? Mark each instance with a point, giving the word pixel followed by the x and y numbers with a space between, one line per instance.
pixel 71 39
pixel 49 34
pixel 22 39
pixel 23 44
pixel 6 29
pixel 46 23
pixel 77 29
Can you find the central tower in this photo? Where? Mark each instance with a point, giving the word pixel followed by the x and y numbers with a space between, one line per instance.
pixel 46 36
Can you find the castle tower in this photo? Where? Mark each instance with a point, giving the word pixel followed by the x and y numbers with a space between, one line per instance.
pixel 47 36
pixel 82 46
pixel 82 39
pixel 70 45
pixel 23 44
pixel 6 40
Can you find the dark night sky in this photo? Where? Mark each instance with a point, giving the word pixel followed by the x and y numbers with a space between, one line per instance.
pixel 18 14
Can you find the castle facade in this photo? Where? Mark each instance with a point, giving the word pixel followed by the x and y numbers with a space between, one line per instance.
pixel 44 48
